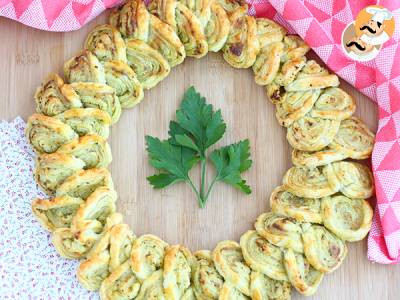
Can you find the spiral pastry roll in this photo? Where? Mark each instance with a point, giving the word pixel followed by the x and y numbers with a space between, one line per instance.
pixel 242 46
pixel 312 76
pixel 354 139
pixel 82 184
pixel 152 287
pixel 269 32
pixel 231 5
pixel 99 95
pixel 262 256
pixel 304 278
pixel 284 203
pixel 178 262
pixel 112 250
pixel 54 97
pixel 352 179
pixel 120 284
pixel 324 250
pixel 84 67
pixel 312 134
pixel 53 168
pixel 335 104
pixel 92 149
pixel 47 134
pixel 149 65
pixel 200 8
pixel 349 219
pixel 217 28
pixel 207 282
pixel 308 183
pixel 69 246
pixel 86 121
pixel 230 292
pixel 184 22
pixel 106 43
pixel 280 231
pixel 229 262
pixel 264 288
pixel 147 256
pixel 317 158
pixel 267 64
pixel 56 212
pixel 295 105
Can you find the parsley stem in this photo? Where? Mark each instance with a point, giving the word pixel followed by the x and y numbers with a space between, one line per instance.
pixel 203 178
pixel 210 188
pixel 190 182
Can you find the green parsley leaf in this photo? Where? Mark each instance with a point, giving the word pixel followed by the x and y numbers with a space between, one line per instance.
pixel 230 162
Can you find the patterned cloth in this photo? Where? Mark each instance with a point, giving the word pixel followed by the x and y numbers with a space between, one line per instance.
pixel 30 267
pixel 320 24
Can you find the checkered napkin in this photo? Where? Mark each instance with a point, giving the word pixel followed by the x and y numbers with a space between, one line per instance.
pixel 320 23
pixel 30 267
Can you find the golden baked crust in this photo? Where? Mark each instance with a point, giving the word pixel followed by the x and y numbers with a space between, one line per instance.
pixel 264 288
pixel 229 292
pixel 47 134
pixel 354 139
pixel 120 284
pixel 308 183
pixel 147 256
pixel 56 212
pixel 352 179
pixel 53 97
pixel 106 43
pixel 84 67
pixel 87 121
pixel 149 65
pixel 51 169
pixel 217 28
pixel 268 62
pixel 178 262
pixel 85 182
pixel 349 219
pixel 231 5
pixel 200 8
pixel 269 32
pixel 262 256
pixel 324 250
pixel 242 45
pixel 280 231
pixel 91 148
pixel 284 203
pixel 206 281
pixel 304 278
pixel 229 262
pixel 152 287
pixel 335 104
pixel 315 159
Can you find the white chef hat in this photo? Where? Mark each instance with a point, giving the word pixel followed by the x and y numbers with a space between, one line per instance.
pixel 379 14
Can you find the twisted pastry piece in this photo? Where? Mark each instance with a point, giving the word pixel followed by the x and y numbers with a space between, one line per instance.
pixel 218 27
pixel 229 262
pixel 352 179
pixel 86 121
pixel 147 256
pixel 99 95
pixel 84 67
pixel 349 219
pixel 111 251
pixel 152 287
pixel 284 203
pixel 280 231
pixel 315 159
pixel 120 284
pixel 308 183
pixel 262 256
pixel 92 149
pixel 52 169
pixel 230 292
pixel 304 278
pixel 47 134
pixel 56 212
pixel 206 280
pixel 178 262
pixel 82 184
pixel 135 22
pixel 264 288
pixel 53 97
pixel 184 22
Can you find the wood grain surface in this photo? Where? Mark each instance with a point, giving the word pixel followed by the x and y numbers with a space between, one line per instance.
pixel 28 55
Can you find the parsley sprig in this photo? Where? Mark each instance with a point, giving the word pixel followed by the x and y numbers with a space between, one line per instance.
pixel 196 129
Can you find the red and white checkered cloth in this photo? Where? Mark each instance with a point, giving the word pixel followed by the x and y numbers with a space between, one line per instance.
pixel 320 23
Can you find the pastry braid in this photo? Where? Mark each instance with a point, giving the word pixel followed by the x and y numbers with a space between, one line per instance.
pixel 319 206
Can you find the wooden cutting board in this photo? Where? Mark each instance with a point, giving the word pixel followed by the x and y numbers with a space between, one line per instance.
pixel 28 55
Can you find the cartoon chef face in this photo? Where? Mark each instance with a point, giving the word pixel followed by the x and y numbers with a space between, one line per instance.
pixel 372 28
pixel 359 47
pixel 376 25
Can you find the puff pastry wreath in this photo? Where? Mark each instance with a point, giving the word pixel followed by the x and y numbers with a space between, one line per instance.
pixel 319 206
